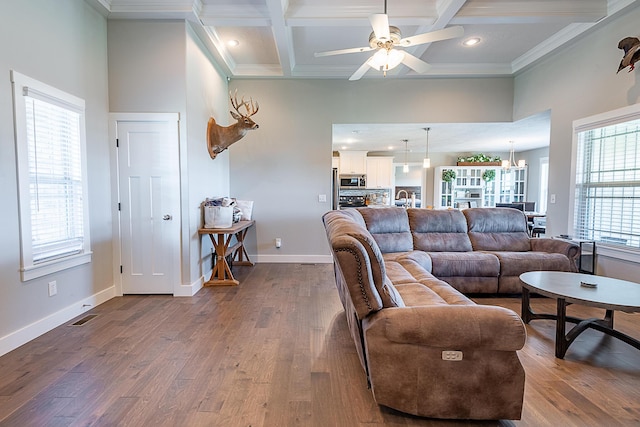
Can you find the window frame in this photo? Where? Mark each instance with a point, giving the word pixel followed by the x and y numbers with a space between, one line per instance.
pixel 597 121
pixel 24 86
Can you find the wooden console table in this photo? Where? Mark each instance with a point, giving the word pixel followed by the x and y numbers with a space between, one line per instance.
pixel 221 274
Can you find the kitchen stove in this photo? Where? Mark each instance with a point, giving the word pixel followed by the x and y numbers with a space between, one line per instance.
pixel 352 202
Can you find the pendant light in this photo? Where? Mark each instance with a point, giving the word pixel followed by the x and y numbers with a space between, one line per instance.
pixel 508 164
pixel 426 162
pixel 405 168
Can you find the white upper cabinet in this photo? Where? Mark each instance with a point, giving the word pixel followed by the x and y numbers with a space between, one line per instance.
pixel 353 162
pixel 379 172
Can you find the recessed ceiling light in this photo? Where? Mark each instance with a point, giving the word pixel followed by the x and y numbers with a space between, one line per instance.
pixel 233 43
pixel 472 41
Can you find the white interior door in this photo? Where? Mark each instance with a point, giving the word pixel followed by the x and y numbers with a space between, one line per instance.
pixel 149 197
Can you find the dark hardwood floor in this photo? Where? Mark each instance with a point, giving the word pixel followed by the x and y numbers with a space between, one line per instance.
pixel 275 351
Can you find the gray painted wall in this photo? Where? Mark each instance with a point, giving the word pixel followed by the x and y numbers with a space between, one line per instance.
pixel 62 44
pixel 161 66
pixel 286 164
pixel 578 82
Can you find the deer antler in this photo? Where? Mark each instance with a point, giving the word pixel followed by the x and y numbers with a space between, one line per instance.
pixel 236 105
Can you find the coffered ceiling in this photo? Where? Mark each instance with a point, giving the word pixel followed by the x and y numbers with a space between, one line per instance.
pixel 278 39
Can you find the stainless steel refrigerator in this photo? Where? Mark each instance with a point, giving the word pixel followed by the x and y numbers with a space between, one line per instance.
pixel 335 189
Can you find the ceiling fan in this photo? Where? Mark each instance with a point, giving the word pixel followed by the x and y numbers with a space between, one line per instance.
pixel 385 39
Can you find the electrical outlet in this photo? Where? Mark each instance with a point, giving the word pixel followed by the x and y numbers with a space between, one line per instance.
pixel 53 288
pixel 451 355
pixel 322 198
pixel 278 242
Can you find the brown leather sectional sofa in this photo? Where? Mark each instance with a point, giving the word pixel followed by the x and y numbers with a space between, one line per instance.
pixel 426 348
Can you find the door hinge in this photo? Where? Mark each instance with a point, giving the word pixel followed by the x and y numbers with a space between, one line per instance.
pixel 117 143
pixel 119 206
pixel 120 269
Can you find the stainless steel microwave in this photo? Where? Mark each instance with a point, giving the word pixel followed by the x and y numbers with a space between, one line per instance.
pixel 353 181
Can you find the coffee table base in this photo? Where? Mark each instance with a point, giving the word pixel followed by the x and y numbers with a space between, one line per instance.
pixel 564 339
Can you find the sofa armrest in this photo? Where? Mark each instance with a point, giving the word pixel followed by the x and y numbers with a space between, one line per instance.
pixel 570 249
pixel 455 327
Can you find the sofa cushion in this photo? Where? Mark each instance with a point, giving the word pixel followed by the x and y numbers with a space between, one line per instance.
pixel 398 274
pixel 439 230
pixel 416 294
pixel 389 227
pixel 466 264
pixel 497 229
pixel 516 263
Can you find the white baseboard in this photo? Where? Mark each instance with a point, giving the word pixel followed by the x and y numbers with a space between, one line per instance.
pixel 293 259
pixel 24 335
pixel 193 288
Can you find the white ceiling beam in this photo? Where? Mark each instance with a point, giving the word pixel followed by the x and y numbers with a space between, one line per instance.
pixel 447 9
pixel 530 12
pixel 282 36
pixel 151 9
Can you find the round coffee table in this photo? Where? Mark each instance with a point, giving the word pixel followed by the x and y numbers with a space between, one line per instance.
pixel 566 288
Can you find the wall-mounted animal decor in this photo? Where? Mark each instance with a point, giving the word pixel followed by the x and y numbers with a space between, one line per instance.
pixel 219 138
pixel 631 47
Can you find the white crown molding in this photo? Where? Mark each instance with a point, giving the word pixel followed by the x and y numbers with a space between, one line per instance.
pixel 563 36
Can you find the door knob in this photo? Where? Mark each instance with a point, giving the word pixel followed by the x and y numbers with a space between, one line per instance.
pixel 167 217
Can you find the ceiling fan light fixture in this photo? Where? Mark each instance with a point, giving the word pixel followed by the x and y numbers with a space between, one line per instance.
pixel 384 59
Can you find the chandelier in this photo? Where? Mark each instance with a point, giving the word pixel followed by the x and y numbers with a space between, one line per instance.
pixel 508 164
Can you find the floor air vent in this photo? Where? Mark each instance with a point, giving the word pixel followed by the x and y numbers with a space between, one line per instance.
pixel 84 320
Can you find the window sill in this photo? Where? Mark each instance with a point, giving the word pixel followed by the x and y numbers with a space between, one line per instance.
pixel 618 253
pixel 35 271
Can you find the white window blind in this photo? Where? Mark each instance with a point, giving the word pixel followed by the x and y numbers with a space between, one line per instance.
pixel 607 191
pixel 55 180
pixel 52 178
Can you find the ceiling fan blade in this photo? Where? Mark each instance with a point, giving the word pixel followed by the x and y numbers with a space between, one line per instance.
pixel 360 71
pixel 432 36
pixel 380 24
pixel 342 51
pixel 417 65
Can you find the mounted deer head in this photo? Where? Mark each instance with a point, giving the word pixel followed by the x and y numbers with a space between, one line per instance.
pixel 219 138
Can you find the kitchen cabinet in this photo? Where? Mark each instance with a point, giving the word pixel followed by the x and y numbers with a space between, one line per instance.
pixel 512 185
pixel 379 172
pixel 469 189
pixel 335 162
pixel 353 162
